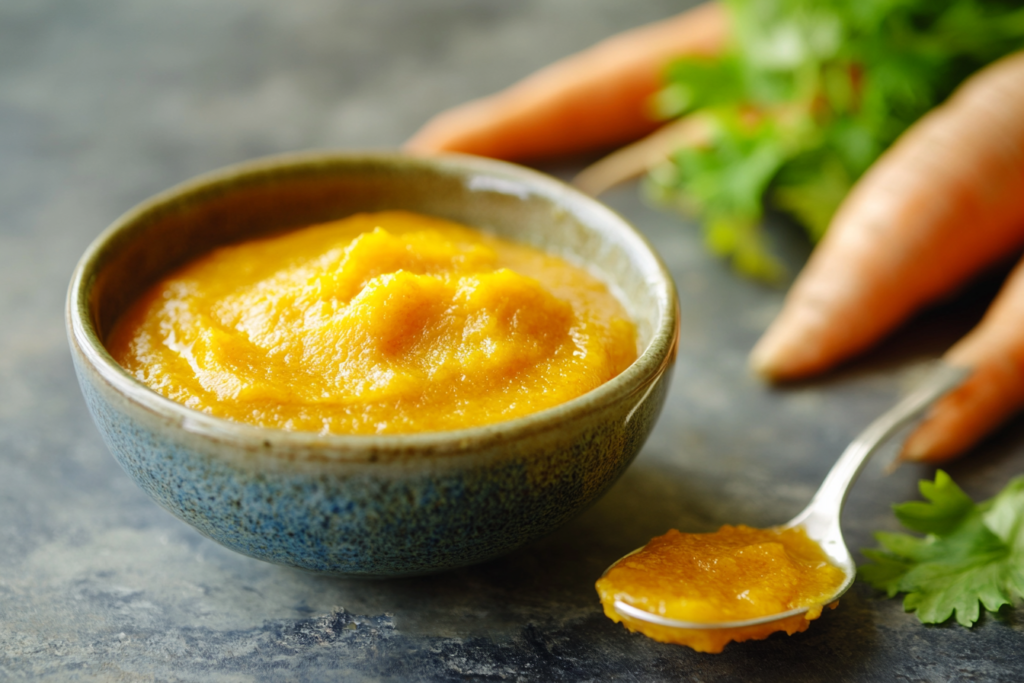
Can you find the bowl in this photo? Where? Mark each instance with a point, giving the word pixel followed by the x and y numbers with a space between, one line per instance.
pixel 371 506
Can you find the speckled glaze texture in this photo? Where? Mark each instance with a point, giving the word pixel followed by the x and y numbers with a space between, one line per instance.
pixel 363 505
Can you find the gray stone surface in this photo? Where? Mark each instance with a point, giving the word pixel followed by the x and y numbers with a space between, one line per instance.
pixel 104 102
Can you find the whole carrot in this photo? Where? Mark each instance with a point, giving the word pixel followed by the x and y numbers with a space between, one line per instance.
pixel 595 99
pixel 941 204
pixel 995 388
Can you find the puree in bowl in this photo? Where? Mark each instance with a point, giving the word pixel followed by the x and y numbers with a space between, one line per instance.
pixel 735 574
pixel 389 322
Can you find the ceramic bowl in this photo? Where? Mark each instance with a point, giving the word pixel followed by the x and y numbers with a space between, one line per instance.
pixel 371 506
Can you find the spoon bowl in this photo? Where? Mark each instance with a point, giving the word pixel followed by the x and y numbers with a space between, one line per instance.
pixel 821 518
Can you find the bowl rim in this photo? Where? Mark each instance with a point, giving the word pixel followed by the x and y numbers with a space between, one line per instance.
pixel 639 378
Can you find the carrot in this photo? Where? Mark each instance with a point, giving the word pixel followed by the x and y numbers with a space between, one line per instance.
pixel 945 201
pixel 993 392
pixel 638 158
pixel 595 99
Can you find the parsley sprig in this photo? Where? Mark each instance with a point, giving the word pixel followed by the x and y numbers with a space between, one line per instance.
pixel 971 554
pixel 808 95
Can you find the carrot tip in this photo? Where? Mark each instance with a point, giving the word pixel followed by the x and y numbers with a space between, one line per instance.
pixel 893 464
pixel 757 363
pixel 922 445
pixel 910 454
pixel 767 358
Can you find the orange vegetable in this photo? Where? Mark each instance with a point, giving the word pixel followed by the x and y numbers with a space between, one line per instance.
pixel 993 392
pixel 639 157
pixel 941 204
pixel 592 100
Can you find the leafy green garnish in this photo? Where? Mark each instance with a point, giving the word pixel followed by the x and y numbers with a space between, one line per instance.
pixel 808 95
pixel 970 554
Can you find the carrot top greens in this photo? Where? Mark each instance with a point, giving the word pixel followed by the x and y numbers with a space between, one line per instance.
pixel 971 554
pixel 808 95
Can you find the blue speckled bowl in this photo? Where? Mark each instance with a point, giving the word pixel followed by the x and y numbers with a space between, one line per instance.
pixel 370 506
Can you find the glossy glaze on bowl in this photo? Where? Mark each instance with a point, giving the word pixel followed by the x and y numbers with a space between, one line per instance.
pixel 371 506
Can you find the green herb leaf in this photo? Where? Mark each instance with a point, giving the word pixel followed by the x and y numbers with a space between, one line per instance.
pixel 972 554
pixel 809 94
pixel 947 510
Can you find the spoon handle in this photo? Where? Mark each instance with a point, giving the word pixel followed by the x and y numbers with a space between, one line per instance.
pixel 827 504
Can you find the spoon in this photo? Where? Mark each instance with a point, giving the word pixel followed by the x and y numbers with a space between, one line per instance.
pixel 820 519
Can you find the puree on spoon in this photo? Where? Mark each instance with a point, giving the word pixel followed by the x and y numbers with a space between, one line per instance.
pixel 735 574
pixel 389 322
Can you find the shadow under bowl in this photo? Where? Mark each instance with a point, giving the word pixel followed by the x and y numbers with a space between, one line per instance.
pixel 371 506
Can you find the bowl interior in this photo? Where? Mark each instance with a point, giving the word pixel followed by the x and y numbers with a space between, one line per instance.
pixel 260 198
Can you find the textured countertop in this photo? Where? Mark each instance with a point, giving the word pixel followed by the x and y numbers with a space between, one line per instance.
pixel 105 102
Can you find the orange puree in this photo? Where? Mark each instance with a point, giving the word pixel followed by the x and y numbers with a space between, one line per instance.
pixel 390 322
pixel 734 574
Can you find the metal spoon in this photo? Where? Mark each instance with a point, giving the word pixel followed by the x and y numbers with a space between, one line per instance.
pixel 820 519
